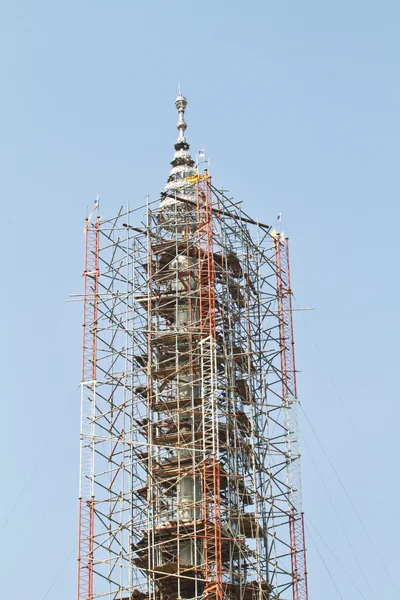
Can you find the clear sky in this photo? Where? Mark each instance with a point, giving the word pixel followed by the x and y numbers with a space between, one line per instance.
pixel 297 106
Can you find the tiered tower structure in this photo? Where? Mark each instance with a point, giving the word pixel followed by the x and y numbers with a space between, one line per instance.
pixel 190 464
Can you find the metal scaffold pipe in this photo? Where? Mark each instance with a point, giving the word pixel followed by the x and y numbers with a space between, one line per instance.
pixel 190 480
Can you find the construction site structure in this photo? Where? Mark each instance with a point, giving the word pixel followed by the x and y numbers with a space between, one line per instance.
pixel 190 483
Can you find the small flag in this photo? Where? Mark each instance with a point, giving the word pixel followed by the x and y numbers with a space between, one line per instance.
pixel 274 234
pixel 282 236
pixel 279 217
pixel 201 153
pixel 96 203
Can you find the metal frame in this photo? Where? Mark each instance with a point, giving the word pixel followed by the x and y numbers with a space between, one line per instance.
pixel 290 407
pixel 189 451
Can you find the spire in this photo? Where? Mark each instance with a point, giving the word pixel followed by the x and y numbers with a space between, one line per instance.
pixel 182 164
pixel 181 104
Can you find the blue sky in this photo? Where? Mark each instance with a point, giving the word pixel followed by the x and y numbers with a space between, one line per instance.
pixel 297 106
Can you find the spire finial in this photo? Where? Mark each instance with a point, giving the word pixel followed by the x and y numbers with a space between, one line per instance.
pixel 181 104
pixel 182 164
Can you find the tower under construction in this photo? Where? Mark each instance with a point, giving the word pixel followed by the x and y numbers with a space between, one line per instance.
pixel 190 483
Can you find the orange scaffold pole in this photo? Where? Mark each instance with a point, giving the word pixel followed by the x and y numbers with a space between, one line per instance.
pixel 88 396
pixel 290 406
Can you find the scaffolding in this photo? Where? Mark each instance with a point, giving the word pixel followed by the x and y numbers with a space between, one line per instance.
pixel 190 466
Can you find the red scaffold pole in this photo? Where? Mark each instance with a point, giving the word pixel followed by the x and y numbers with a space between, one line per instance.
pixel 290 405
pixel 88 394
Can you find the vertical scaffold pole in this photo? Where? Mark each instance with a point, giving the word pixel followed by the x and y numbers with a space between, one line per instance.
pixel 290 406
pixel 211 480
pixel 88 396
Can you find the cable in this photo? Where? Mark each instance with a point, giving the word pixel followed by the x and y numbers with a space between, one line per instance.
pixel 58 574
pixel 37 463
pixel 340 521
pixel 326 368
pixel 325 565
pixel 351 502
pixel 329 460
pixel 334 556
pixel 28 546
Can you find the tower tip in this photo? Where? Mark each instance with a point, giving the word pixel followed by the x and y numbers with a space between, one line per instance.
pixel 183 167
pixel 181 102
